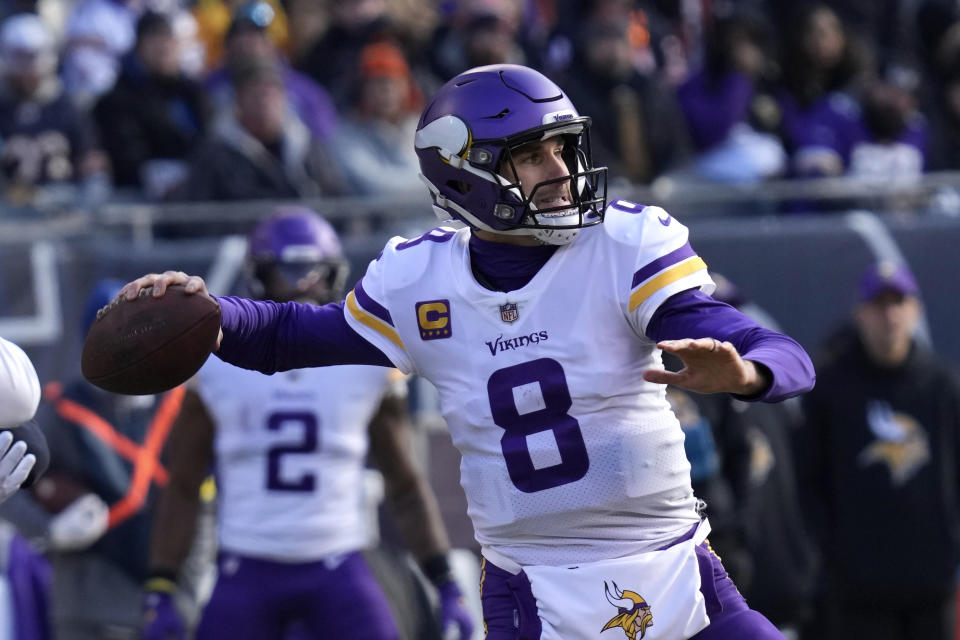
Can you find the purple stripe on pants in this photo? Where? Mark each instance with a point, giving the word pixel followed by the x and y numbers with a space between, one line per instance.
pixel 510 610
pixel 261 600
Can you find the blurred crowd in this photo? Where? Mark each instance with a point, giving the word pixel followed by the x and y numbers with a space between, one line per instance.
pixel 197 100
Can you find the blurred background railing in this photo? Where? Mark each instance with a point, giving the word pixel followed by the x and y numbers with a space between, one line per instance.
pixel 799 268
pixel 59 216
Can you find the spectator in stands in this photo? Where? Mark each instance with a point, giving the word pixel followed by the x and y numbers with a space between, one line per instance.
pixel 307 20
pixel 373 145
pixel 894 140
pixel 215 17
pixel 258 149
pixel 155 115
pixel 879 469
pixel 822 65
pixel 742 467
pixel 665 35
pixel 98 34
pixel 883 26
pixel 781 557
pixel 731 117
pixel 943 107
pixel 333 60
pixel 473 36
pixel 716 444
pixel 46 141
pixel 414 21
pixel 638 130
pixel 539 27
pixel 92 510
pixel 249 36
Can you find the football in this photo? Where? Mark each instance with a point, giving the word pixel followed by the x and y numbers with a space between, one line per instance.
pixel 150 345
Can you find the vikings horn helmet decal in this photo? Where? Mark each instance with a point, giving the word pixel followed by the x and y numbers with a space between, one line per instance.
pixel 464 141
pixel 634 613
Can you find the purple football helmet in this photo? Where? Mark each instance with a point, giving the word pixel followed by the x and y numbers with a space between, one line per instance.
pixel 465 137
pixel 294 254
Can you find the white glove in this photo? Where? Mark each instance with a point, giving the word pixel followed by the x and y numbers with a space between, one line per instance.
pixel 80 524
pixel 15 464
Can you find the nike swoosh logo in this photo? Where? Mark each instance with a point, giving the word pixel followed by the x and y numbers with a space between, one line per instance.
pixel 665 221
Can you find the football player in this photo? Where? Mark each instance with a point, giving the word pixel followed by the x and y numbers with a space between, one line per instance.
pixel 19 385
pixel 19 397
pixel 289 452
pixel 541 322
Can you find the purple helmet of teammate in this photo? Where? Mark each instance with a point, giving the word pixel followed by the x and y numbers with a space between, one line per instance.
pixel 294 254
pixel 464 140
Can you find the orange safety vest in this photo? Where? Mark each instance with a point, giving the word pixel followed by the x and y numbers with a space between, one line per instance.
pixel 145 458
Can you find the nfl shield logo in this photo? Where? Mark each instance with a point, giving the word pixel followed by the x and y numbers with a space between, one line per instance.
pixel 508 312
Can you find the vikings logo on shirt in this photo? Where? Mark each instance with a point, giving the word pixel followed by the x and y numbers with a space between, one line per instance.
pixel 634 613
pixel 433 316
pixel 901 442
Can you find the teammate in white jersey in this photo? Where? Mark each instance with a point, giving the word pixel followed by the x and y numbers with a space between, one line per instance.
pixel 19 397
pixel 289 453
pixel 541 323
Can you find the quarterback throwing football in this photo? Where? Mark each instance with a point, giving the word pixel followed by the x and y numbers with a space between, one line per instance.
pixel 541 322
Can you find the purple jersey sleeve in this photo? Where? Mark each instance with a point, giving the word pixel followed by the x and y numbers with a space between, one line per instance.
pixel 270 336
pixel 694 314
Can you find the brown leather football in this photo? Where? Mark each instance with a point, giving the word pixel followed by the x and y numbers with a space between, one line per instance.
pixel 150 345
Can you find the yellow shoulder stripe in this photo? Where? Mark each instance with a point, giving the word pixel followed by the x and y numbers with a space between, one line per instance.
pixel 372 321
pixel 669 276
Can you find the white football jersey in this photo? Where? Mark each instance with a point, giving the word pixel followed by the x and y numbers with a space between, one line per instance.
pixel 19 386
pixel 567 453
pixel 290 454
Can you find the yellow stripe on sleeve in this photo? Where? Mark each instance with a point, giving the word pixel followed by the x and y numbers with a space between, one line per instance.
pixel 372 321
pixel 673 274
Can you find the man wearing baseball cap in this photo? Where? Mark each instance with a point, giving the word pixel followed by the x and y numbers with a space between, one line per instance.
pixel 879 467
pixel 887 312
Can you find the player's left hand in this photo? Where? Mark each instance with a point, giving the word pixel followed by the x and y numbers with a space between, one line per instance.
pixel 710 366
pixel 455 620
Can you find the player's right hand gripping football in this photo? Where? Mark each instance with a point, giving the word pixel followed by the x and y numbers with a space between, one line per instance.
pixel 160 282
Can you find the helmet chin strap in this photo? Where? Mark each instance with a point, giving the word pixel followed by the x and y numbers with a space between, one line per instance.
pixel 555 236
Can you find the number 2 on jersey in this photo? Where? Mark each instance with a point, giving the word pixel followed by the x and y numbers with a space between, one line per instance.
pixel 531 398
pixel 307 422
